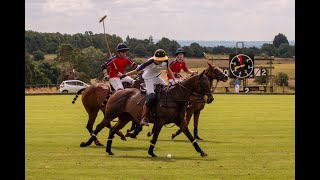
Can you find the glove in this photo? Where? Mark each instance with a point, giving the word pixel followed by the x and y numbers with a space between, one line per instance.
pixel 123 75
pixel 106 77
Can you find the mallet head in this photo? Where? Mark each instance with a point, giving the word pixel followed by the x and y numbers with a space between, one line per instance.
pixel 102 18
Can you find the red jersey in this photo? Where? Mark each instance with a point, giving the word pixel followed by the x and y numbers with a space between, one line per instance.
pixel 176 67
pixel 121 64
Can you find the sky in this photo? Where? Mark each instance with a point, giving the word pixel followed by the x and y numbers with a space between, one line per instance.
pixel 208 20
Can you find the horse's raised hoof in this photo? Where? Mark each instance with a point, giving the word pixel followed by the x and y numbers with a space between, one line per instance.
pixel 129 130
pixel 83 144
pixel 149 134
pixel 173 136
pixel 203 154
pixel 123 137
pixel 128 134
pixel 197 137
pixel 110 153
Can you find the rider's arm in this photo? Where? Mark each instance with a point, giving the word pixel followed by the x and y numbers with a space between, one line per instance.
pixel 170 74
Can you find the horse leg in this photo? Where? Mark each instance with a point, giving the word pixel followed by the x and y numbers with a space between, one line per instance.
pixel 92 117
pixel 196 121
pixel 156 130
pixel 119 133
pixel 123 120
pixel 133 126
pixel 151 133
pixel 136 131
pixel 188 117
pixel 99 127
pixel 186 131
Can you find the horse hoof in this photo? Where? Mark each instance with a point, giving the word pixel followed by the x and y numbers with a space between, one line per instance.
pixel 149 134
pixel 83 144
pixel 203 154
pixel 134 136
pixel 128 134
pixel 99 144
pixel 199 138
pixel 123 138
pixel 128 131
pixel 152 155
pixel 173 136
pixel 110 153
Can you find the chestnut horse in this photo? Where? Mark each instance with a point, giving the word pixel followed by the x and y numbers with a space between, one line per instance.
pixel 93 98
pixel 127 106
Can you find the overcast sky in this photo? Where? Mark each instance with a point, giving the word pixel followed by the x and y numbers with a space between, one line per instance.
pixel 239 20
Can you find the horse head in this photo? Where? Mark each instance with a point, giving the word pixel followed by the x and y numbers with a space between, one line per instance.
pixel 214 72
pixel 198 84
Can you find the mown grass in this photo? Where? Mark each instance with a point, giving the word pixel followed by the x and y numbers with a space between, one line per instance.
pixel 246 137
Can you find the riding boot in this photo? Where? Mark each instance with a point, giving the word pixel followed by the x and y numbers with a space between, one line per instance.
pixel 144 120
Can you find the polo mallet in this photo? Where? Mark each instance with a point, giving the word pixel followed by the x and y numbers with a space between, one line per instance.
pixel 104 31
pixel 105 35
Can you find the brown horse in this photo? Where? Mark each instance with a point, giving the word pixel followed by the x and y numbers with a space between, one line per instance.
pixel 196 103
pixel 93 99
pixel 127 106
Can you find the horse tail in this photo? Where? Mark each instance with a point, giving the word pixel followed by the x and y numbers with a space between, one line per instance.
pixel 77 94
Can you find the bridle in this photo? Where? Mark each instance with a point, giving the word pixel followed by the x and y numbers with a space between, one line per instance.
pixel 181 88
pixel 218 77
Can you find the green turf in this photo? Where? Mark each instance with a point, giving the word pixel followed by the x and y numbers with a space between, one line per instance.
pixel 245 136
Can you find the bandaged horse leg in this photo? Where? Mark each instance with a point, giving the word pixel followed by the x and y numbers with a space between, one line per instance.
pixel 136 131
pixel 196 146
pixel 156 129
pixel 99 127
pixel 93 137
pixel 133 126
pixel 123 120
pixel 188 117
pixel 196 120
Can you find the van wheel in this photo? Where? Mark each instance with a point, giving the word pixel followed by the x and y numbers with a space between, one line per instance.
pixel 64 91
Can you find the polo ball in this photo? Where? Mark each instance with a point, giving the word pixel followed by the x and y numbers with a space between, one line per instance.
pixel 168 155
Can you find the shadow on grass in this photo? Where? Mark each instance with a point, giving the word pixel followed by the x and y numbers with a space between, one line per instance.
pixel 162 158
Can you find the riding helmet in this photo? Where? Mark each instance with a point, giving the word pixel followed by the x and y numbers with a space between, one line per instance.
pixel 180 50
pixel 160 55
pixel 122 46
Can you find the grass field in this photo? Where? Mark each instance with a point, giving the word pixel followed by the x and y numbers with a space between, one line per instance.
pixel 245 136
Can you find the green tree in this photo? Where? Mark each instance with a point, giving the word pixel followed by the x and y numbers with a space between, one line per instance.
pixel 268 49
pixel 28 70
pixel 38 55
pixel 66 53
pixel 163 43
pixel 285 50
pixel 281 79
pixel 140 50
pixel 280 39
pixel 197 50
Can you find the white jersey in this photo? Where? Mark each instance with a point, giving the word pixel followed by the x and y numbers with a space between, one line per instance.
pixel 151 69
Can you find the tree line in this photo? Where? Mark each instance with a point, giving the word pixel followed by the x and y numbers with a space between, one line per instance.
pixel 79 56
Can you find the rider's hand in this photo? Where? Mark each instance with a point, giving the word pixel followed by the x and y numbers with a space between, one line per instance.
pixel 106 77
